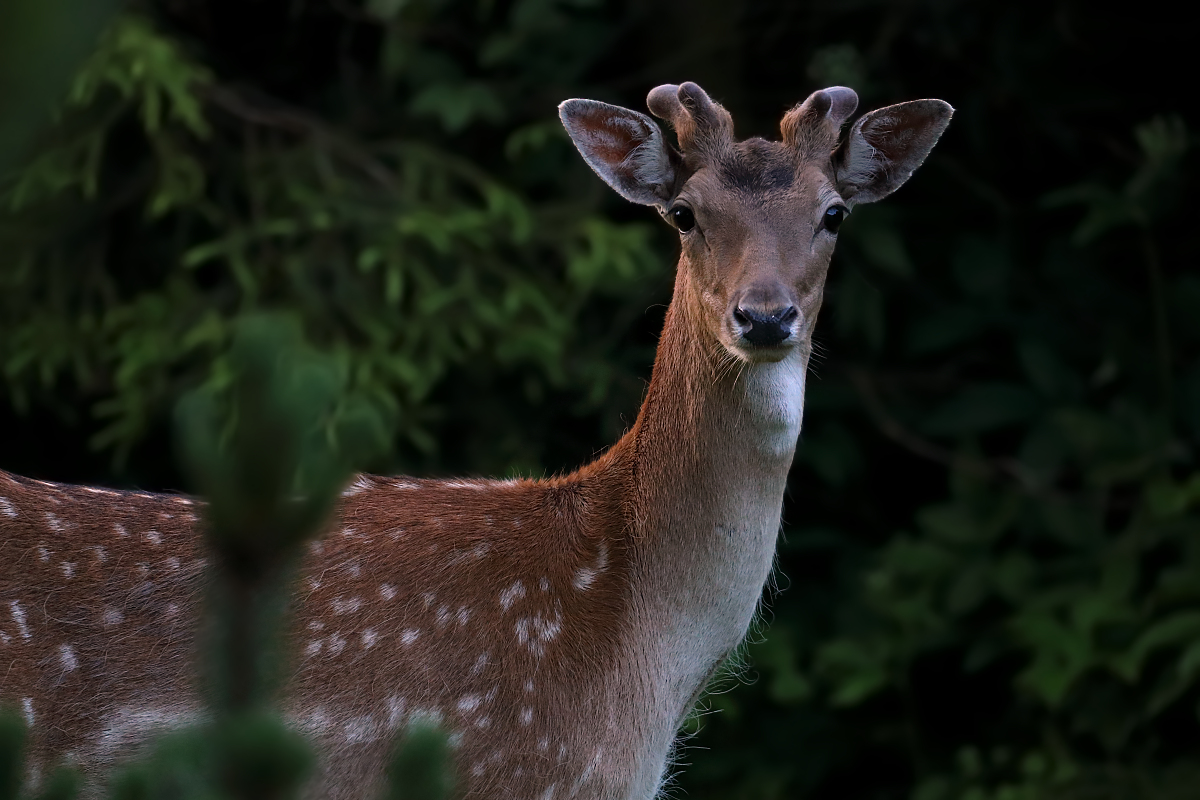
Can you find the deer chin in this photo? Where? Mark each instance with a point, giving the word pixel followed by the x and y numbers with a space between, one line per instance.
pixel 763 354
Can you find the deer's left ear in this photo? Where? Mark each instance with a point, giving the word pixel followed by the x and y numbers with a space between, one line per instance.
pixel 625 148
pixel 885 146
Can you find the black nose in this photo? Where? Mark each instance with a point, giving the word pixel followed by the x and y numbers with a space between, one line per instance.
pixel 764 330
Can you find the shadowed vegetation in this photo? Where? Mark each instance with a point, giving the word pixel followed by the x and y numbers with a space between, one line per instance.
pixel 990 568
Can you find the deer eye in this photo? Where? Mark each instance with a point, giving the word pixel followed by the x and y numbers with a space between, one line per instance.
pixel 834 215
pixel 682 218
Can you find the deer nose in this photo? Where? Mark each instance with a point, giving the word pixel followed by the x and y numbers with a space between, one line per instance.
pixel 765 329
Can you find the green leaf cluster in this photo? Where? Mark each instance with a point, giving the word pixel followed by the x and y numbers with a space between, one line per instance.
pixel 165 203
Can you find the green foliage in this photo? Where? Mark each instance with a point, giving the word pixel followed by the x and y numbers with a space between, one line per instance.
pixel 270 446
pixel 41 45
pixel 356 229
pixel 12 746
pixel 422 768
pixel 273 440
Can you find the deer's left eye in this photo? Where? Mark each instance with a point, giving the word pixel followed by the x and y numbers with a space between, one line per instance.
pixel 681 217
pixel 834 215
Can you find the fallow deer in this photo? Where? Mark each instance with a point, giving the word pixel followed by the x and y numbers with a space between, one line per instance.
pixel 560 629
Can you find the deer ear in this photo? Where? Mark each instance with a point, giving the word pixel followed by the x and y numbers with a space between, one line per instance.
pixel 886 146
pixel 625 148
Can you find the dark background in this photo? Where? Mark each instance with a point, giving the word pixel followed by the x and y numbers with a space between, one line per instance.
pixel 990 564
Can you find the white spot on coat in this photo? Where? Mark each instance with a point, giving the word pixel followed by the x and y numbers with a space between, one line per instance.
pixel 27 708
pixel 67 658
pixel 361 729
pixel 369 638
pixel 387 591
pixel 395 707
pixel 154 537
pixel 112 616
pixel 343 606
pixel 409 635
pixel 586 576
pixel 468 703
pixel 428 716
pixel 526 715
pixel 135 723
pixel 7 509
pixel 538 631
pixel 511 595
pixel 18 615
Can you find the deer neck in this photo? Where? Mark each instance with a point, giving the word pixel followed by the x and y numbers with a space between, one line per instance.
pixel 709 455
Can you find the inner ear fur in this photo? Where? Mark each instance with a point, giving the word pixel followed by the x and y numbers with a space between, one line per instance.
pixel 886 146
pixel 625 148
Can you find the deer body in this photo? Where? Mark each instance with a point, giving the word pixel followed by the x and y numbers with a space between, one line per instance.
pixel 559 629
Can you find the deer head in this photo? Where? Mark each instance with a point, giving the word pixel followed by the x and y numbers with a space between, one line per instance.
pixel 757 220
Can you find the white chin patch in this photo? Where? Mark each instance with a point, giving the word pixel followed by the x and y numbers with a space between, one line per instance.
pixel 775 398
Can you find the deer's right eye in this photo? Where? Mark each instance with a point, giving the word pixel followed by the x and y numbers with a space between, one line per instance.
pixel 682 218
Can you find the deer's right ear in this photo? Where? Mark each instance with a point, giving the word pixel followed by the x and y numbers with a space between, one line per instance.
pixel 625 148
